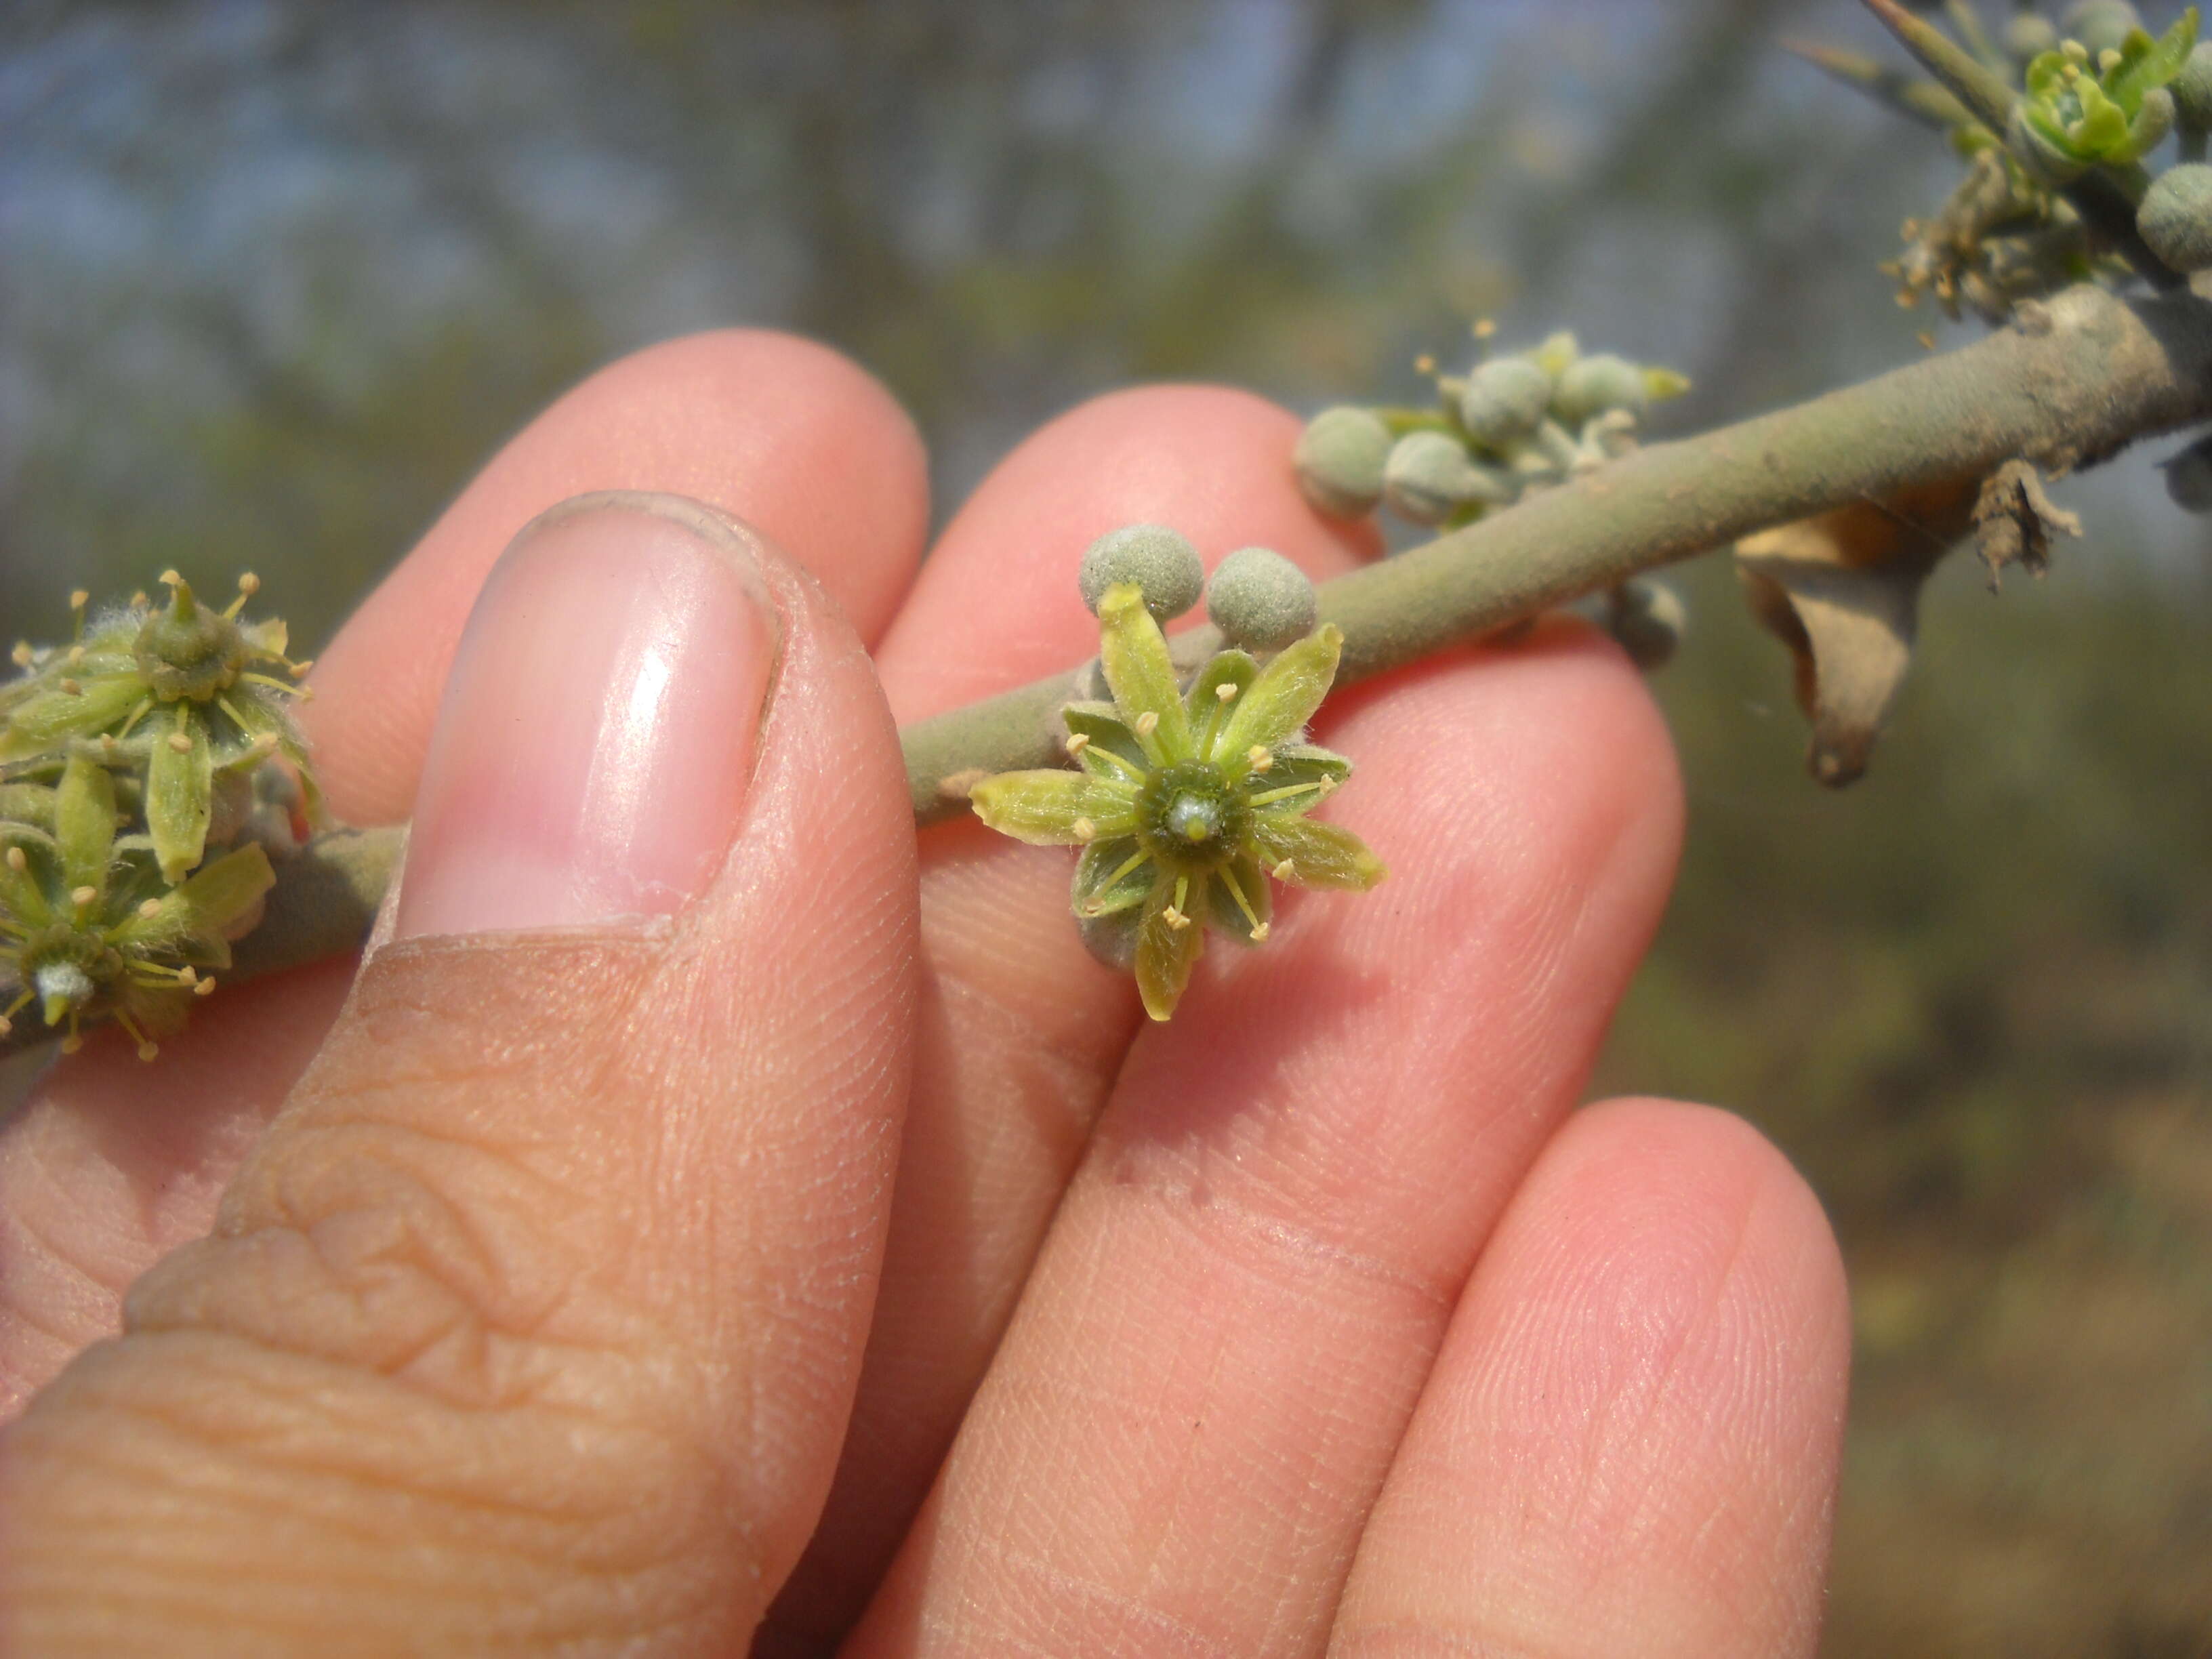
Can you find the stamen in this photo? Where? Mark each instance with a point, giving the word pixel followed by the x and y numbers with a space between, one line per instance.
pixel 16 861
pixel 1283 870
pixel 138 597
pixel 1176 919
pixel 1083 831
pixel 81 897
pixel 22 656
pixel 1237 892
pixel 1260 934
pixel 299 670
pixel 1226 690
pixel 149 909
pixel 1268 796
pixel 1136 774
pixel 169 578
pixel 77 656
pixel 72 687
pixel 145 704
pixel 1262 759
pixel 1148 722
pixel 182 741
pixel 1077 742
pixel 204 988
pixel 146 1048
pixel 248 586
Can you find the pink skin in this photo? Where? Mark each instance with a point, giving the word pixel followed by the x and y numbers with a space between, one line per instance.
pixel 1339 1322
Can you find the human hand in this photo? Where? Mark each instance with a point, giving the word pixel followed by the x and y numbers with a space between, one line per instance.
pixel 585 1297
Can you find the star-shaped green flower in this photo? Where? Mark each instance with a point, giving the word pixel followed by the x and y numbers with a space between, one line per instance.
pixel 1186 804
pixel 185 692
pixel 88 926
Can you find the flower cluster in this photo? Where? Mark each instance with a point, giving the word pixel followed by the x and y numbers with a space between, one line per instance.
pixel 139 801
pixel 1187 802
pixel 1512 424
pixel 2103 109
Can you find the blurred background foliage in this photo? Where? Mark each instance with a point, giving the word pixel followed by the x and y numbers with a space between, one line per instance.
pixel 276 277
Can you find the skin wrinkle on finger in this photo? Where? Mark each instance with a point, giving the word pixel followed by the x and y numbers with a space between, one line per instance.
pixel 1296 1174
pixel 1630 1438
pixel 554 1419
pixel 1022 1033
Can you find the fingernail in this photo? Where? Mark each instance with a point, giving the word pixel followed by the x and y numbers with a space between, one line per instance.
pixel 597 731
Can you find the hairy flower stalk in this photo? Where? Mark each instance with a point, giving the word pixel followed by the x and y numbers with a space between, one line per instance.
pixel 1186 804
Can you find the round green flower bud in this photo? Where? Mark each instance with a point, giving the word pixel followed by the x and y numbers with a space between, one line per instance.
pixel 2153 121
pixel 2099 25
pixel 2189 477
pixel 1260 601
pixel 1595 384
pixel 1340 460
pixel 1504 399
pixel 1430 477
pixel 2192 88
pixel 2176 216
pixel 1158 560
pixel 2030 35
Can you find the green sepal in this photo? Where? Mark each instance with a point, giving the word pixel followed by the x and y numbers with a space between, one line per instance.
pixel 1208 709
pixel 28 803
pixel 181 794
pixel 194 919
pixel 1044 807
pixel 1098 891
pixel 1277 705
pixel 22 895
pixel 45 722
pixel 1134 653
pixel 1319 854
pixel 1661 383
pixel 84 824
pixel 1105 729
pixel 1307 762
pixel 2146 63
pixel 1166 955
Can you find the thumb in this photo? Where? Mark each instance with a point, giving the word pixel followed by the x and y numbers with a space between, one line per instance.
pixel 532 1323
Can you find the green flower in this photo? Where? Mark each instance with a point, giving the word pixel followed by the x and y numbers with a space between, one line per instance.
pixel 89 927
pixel 184 694
pixel 2113 110
pixel 1186 806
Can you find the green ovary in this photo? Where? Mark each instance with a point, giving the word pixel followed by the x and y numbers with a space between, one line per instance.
pixel 1190 818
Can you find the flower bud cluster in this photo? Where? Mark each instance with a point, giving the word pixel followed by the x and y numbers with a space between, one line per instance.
pixel 147 769
pixel 1511 424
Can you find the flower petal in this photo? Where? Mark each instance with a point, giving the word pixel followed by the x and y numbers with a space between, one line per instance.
pixel 1305 762
pixel 1050 808
pixel 1166 954
pixel 1112 875
pixel 195 919
pixel 22 897
pixel 45 721
pixel 179 792
pixel 84 824
pixel 1135 654
pixel 1209 710
pixel 1319 854
pixel 1283 699
pixel 1101 729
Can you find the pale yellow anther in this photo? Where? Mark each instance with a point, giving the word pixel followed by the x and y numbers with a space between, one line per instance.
pixel 72 1043
pixel 1084 829
pixel 1176 919
pixel 1078 742
pixel 22 656
pixel 1283 870
pixel 149 909
pixel 6 1025
pixel 75 655
pixel 205 987
pixel 16 861
pixel 299 669
pixel 1148 722
pixel 1260 934
pixel 1262 759
pixel 138 597
pixel 79 598
pixel 147 1050
pixel 72 687
pixel 169 578
pixel 1226 690
pixel 81 897
pixel 249 583
pixel 188 975
pixel 181 742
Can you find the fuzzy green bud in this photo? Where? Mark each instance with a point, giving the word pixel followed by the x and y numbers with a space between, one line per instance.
pixel 1156 558
pixel 1260 601
pixel 2176 216
pixel 2028 35
pixel 1591 386
pixel 1340 460
pixel 2189 477
pixel 2192 88
pixel 2102 25
pixel 1430 477
pixel 1504 400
